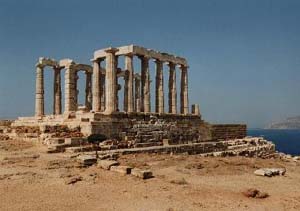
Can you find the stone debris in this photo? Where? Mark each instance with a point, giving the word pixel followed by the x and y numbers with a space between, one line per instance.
pixel 124 170
pixel 143 174
pixel 269 172
pixel 254 193
pixel 107 164
pixel 73 180
pixel 86 160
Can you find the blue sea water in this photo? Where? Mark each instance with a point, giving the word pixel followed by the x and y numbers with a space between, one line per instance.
pixel 287 141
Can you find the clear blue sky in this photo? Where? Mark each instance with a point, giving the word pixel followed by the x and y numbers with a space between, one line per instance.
pixel 244 55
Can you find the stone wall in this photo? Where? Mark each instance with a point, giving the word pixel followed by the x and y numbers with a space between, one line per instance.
pixel 228 131
pixel 150 129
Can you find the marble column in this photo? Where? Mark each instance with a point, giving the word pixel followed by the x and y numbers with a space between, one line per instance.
pixel 102 90
pixel 110 81
pixel 70 90
pixel 184 103
pixel 57 91
pixel 76 89
pixel 128 86
pixel 137 87
pixel 145 83
pixel 96 86
pixel 159 88
pixel 172 89
pixel 39 91
pixel 88 91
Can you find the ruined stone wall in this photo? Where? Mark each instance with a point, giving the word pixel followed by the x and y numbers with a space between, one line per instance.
pixel 150 130
pixel 228 131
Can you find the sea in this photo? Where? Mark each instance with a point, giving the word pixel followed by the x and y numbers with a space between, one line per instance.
pixel 287 141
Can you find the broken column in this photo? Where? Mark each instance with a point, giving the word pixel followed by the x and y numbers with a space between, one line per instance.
pixel 39 91
pixel 159 88
pixel 110 81
pixel 184 104
pixel 57 91
pixel 172 89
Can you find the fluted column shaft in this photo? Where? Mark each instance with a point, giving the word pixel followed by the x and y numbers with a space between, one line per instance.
pixel 145 89
pixel 128 88
pixel 184 103
pixel 96 86
pixel 137 87
pixel 159 88
pixel 110 81
pixel 57 91
pixel 70 90
pixel 172 89
pixel 39 91
pixel 88 91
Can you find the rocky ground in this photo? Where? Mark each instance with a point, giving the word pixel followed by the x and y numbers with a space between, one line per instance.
pixel 31 179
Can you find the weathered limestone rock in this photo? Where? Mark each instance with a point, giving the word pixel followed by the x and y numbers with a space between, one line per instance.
pixel 107 164
pixel 124 170
pixel 143 174
pixel 269 172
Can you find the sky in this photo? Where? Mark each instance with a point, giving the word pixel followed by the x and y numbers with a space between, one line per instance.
pixel 244 55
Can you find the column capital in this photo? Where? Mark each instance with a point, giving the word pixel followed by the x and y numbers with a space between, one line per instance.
pixel 171 64
pixel 130 54
pixel 144 57
pixel 183 67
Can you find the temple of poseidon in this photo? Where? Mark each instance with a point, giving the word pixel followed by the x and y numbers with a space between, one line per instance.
pixel 136 125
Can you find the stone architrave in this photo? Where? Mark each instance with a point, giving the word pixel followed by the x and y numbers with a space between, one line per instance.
pixel 172 89
pixel 159 88
pixel 39 91
pixel 57 91
pixel 110 81
pixel 184 103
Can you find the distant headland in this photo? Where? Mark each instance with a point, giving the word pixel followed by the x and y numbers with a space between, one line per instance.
pixel 289 123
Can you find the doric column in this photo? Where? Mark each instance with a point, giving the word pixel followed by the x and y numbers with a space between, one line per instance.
pixel 96 86
pixel 39 91
pixel 76 90
pixel 102 89
pixel 70 90
pixel 128 86
pixel 159 88
pixel 110 81
pixel 88 91
pixel 172 89
pixel 57 91
pixel 145 89
pixel 137 87
pixel 184 102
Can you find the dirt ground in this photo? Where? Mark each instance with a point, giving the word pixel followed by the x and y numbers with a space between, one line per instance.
pixel 31 179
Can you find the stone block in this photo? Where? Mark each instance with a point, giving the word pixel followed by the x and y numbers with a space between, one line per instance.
pixel 107 164
pixel 87 160
pixel 143 174
pixel 124 170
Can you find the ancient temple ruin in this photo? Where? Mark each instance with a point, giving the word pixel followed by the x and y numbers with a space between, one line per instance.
pixel 136 122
